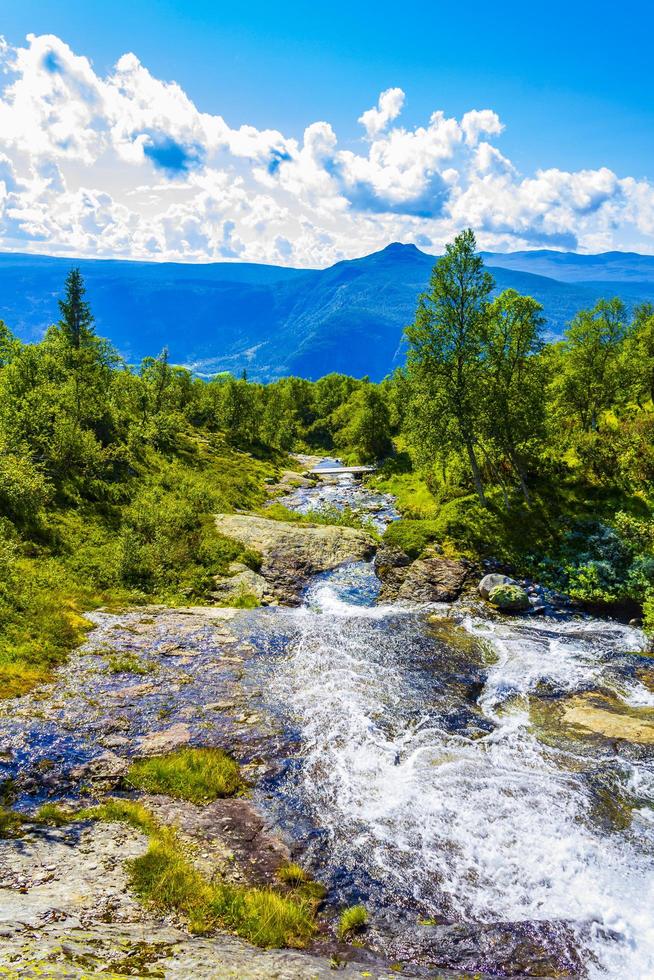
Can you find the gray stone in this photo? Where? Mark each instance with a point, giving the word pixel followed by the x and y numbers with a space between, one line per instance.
pixel 158 743
pixel 293 553
pixel 490 582
pixel 431 578
pixel 107 766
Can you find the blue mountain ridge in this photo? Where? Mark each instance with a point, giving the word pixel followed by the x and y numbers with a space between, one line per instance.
pixel 274 320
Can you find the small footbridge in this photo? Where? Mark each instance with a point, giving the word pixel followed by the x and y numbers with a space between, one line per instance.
pixel 341 470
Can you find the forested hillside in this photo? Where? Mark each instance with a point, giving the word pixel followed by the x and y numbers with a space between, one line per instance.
pixel 275 321
pixel 498 446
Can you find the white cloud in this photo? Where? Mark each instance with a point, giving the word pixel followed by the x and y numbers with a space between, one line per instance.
pixel 126 165
pixel 389 106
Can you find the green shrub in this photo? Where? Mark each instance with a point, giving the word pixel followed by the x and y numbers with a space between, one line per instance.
pixel 198 775
pixel 411 536
pixel 352 920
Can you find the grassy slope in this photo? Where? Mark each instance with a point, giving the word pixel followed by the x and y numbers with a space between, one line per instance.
pixel 154 542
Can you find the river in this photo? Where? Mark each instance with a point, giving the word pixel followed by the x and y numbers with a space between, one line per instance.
pixel 436 779
pixel 416 757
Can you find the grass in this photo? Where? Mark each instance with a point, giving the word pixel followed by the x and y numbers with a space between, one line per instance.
pixel 10 823
pixel 198 775
pixel 292 874
pixel 149 538
pixel 55 815
pixel 352 920
pixel 166 878
pixel 128 663
pixel 327 515
pixel 262 915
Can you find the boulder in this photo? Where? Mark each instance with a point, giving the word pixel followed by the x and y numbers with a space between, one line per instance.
pixel 492 581
pixel 431 578
pixel 293 553
pixel 242 581
pixel 289 478
pixel 509 598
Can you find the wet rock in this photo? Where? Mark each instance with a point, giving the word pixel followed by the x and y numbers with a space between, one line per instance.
pixel 509 598
pixel 293 553
pixel 431 578
pixel 608 717
pixel 158 743
pixel 107 766
pixel 492 581
pixel 505 949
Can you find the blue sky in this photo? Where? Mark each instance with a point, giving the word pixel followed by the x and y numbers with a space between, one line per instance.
pixel 571 86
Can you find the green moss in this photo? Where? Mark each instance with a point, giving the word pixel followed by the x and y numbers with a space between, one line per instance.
pixel 352 920
pixel 198 775
pixel 509 597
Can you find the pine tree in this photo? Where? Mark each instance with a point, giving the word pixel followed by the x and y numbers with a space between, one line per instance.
pixel 77 322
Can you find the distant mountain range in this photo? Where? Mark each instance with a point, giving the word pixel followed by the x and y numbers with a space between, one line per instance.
pixel 274 321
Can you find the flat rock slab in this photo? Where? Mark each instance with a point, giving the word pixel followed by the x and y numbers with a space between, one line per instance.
pixel 293 553
pixel 601 716
pixel 66 913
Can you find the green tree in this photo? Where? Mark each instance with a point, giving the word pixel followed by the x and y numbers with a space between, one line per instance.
pixel 639 354
pixel 593 369
pixel 77 322
pixel 362 426
pixel 513 377
pixel 445 356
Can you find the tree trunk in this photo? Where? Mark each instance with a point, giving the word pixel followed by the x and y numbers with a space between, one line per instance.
pixel 476 475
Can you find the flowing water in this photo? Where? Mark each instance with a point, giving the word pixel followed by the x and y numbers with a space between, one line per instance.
pixel 436 777
pixel 417 756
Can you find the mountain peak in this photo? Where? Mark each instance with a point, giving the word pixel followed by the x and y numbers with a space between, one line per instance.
pixel 400 247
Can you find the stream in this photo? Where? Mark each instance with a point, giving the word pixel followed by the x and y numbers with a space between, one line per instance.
pixel 437 780
pixel 414 756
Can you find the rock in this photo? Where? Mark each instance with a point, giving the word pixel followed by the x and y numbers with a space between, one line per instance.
pixel 608 717
pixel 293 553
pixel 498 949
pixel 492 581
pixel 431 578
pixel 509 598
pixel 241 582
pixel 289 478
pixel 159 743
pixel 107 766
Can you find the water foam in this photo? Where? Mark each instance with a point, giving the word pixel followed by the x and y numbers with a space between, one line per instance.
pixel 482 829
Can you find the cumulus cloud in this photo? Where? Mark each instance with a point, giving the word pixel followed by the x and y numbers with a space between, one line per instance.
pixel 125 164
pixel 389 106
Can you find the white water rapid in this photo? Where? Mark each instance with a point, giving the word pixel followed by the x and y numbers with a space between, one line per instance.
pixel 435 791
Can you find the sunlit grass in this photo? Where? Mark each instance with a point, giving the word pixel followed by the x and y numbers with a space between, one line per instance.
pixel 352 920
pixel 198 775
